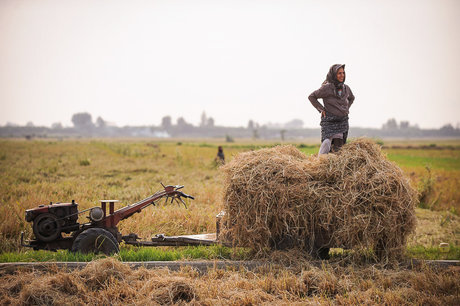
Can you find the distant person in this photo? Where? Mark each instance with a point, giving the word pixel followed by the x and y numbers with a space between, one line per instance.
pixel 220 158
pixel 337 99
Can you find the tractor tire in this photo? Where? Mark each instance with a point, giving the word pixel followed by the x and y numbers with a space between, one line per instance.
pixel 95 240
pixel 46 227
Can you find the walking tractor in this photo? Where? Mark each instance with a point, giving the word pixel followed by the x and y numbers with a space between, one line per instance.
pixel 100 233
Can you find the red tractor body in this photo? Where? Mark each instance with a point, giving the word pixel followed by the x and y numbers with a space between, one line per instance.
pixel 99 234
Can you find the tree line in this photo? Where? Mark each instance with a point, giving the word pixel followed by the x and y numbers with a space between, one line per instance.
pixel 85 126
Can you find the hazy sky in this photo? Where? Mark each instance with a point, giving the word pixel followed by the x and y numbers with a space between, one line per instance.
pixel 133 62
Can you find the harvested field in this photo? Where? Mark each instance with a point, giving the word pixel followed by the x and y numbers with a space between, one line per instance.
pixel 108 281
pixel 36 172
pixel 280 198
pixel 39 171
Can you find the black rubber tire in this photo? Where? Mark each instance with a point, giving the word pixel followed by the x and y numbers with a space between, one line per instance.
pixel 46 227
pixel 95 240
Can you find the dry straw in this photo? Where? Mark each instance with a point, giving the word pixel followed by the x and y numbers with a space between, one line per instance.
pixel 110 282
pixel 281 198
pixel 102 282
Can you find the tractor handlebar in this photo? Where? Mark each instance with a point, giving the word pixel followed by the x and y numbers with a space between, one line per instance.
pixel 169 192
pixel 184 195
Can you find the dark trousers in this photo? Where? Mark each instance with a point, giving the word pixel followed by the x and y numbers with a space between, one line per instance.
pixel 337 143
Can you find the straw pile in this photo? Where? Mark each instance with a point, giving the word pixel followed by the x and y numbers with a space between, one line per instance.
pixel 270 285
pixel 279 198
pixel 103 282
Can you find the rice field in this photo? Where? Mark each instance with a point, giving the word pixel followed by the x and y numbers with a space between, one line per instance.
pixel 39 171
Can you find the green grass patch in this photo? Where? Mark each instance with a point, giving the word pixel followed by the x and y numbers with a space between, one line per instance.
pixel 216 252
pixel 309 150
pixel 85 162
pixel 42 256
pixel 445 163
pixel 434 253
pixel 182 253
pixel 129 253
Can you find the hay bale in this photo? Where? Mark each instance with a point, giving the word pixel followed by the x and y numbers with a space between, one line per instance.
pixel 280 198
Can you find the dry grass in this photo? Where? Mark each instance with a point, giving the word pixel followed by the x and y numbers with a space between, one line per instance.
pixel 434 228
pixel 108 281
pixel 435 172
pixel 36 172
pixel 40 172
pixel 279 197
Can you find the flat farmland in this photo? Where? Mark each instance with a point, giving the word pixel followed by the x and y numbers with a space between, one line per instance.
pixel 39 171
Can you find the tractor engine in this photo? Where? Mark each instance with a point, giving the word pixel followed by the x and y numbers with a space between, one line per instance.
pixel 49 221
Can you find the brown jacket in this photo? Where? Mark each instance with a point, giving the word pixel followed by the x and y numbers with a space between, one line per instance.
pixel 333 103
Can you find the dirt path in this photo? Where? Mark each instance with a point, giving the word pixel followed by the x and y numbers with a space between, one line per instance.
pixel 200 266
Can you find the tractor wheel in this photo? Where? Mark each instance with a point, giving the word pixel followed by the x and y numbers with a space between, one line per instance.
pixel 95 240
pixel 46 227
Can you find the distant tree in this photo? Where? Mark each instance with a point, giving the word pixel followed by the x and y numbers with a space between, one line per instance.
pixel 82 120
pixel 30 124
pixel 182 125
pixel 250 125
pixel 283 134
pixel 166 122
pixel 391 124
pixel 100 122
pixel 204 119
pixel 404 125
pixel 294 124
pixel 447 129
pixel 210 122
pixel 56 126
pixel 229 138
pixel 181 122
